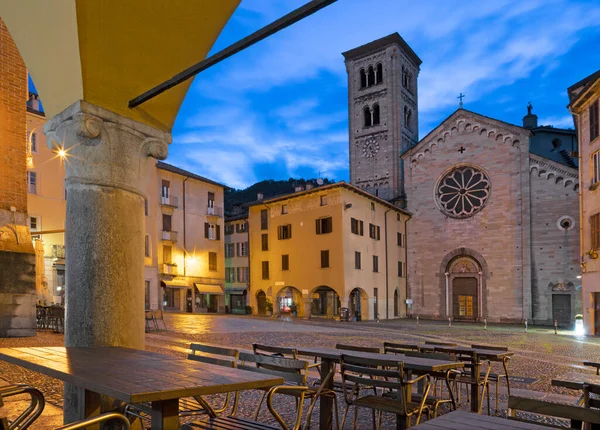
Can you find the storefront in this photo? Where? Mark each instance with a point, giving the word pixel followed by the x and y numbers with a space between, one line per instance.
pixel 236 300
pixel 209 299
pixel 175 294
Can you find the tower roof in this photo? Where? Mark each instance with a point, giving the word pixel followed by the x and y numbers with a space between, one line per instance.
pixel 380 44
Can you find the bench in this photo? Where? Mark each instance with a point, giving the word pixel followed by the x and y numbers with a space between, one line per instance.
pixel 576 414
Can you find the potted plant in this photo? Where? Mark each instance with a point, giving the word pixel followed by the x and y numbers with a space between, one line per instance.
pixel 294 309
pixel 269 307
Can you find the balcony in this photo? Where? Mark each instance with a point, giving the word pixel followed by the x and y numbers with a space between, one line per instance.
pixel 170 236
pixel 216 212
pixel 170 201
pixel 169 269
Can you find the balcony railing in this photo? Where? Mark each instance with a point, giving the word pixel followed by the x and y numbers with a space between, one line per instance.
pixel 170 201
pixel 169 235
pixel 169 269
pixel 214 211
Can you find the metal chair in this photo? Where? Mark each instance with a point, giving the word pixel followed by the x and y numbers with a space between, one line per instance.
pixel 387 375
pixel 149 317
pixel 471 359
pixel 32 412
pixel 495 377
pixel 159 316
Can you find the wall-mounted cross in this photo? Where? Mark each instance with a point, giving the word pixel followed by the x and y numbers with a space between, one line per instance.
pixel 461 96
pixel 461 150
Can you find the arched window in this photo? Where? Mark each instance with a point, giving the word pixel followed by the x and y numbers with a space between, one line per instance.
pixel 406 116
pixel 371 76
pixel 408 119
pixel 376 114
pixel 379 73
pixel 406 78
pixel 363 78
pixel 367 115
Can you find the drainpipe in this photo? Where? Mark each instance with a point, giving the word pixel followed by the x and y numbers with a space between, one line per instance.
pixel 406 254
pixel 184 238
pixel 387 263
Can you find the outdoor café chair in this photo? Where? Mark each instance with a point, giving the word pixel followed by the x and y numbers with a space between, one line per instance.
pixel 36 407
pixel 149 317
pixel 399 348
pixel 495 377
pixel 576 414
pixel 447 376
pixel 159 316
pixel 466 378
pixel 197 405
pixel 388 375
pixel 294 373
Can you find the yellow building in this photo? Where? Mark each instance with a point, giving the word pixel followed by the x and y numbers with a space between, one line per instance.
pixel 46 202
pixel 584 104
pixel 319 250
pixel 184 264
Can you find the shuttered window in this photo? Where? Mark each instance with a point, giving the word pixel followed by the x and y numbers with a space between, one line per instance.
pixel 595 224
pixel 325 259
pixel 284 232
pixel 594 120
pixel 285 262
pixel 400 269
pixel 212 261
pixel 265 270
pixel 324 225
pixel 399 239
pixel 264 219
pixel 265 241
pixel 357 260
pixel 375 263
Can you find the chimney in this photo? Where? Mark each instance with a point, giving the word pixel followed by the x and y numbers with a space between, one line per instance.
pixel 34 102
pixel 309 186
pixel 530 120
pixel 259 196
pixel 298 188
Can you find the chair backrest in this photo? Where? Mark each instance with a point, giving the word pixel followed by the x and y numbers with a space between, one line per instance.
pixel 214 355
pixel 431 355
pixel 274 351
pixel 399 348
pixel 3 420
pixel 360 373
pixel 158 314
pixel 535 406
pixel 292 370
pixel 490 347
pixel 149 315
pixel 375 350
pixel 430 342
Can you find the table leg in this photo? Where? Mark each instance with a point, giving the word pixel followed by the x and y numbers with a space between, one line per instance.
pixel 326 402
pixel 165 414
pixel 88 406
pixel 475 406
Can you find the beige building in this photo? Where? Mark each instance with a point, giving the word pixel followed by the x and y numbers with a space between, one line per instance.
pixel 46 202
pixel 184 264
pixel 585 106
pixel 237 263
pixel 316 251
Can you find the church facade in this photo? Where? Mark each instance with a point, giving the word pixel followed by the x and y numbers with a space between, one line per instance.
pixel 494 232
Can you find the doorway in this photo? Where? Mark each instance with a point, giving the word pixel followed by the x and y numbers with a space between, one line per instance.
pixel 189 302
pixel 561 309
pixel 464 298
pixel 261 303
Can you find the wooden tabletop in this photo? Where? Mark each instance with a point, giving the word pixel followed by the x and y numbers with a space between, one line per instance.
pixel 461 420
pixel 135 376
pixel 575 381
pixel 410 363
pixel 483 353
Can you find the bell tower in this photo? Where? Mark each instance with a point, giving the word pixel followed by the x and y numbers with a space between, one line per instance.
pixel 382 113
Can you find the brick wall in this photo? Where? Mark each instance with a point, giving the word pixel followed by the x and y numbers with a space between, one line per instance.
pixel 13 135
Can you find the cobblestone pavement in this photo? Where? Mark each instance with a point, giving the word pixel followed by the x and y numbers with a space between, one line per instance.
pixel 539 354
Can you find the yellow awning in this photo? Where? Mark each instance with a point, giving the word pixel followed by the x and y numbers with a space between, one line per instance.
pixel 209 289
pixel 177 284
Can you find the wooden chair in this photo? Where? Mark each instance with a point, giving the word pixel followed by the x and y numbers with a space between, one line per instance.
pixel 449 377
pixel 274 351
pixel 430 345
pixel 294 373
pixel 471 359
pixel 159 316
pixel 399 348
pixel 495 377
pixel 388 375
pixel 373 349
pixel 576 414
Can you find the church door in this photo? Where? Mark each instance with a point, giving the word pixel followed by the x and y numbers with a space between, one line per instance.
pixel 464 298
pixel 561 308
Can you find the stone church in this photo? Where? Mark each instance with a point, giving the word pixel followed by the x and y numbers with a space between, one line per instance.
pixel 494 232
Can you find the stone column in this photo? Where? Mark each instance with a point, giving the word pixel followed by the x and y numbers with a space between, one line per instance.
pixel 106 175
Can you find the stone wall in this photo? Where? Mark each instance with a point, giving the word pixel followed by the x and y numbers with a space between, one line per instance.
pixel 17 257
pixel 497 237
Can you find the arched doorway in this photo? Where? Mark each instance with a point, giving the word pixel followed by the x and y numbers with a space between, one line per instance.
pixel 325 302
pixel 396 303
pixel 464 279
pixel 359 304
pixel 289 302
pixel 261 303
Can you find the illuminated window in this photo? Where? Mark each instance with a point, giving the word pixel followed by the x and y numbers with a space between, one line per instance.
pixel 32 182
pixel 465 306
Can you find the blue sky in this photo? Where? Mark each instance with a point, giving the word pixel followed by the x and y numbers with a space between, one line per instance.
pixel 279 108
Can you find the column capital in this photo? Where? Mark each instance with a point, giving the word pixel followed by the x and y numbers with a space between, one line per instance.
pixel 104 148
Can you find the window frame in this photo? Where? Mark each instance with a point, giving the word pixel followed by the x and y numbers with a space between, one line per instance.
pixel 147 246
pixel 264 241
pixel 32 185
pixel 324 200
pixel 265 270
pixel 357 260
pixel 324 225
pixel 595 167
pixel 594 120
pixel 325 264
pixel 264 219
pixel 595 231
pixel 375 264
pixel 284 209
pixel 213 266
pixel 285 262
pixel 284 232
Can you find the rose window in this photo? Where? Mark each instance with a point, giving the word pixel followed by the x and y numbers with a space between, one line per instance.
pixel 463 191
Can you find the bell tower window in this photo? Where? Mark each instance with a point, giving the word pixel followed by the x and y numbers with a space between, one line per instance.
pixel 367 116
pixel 370 76
pixel 379 73
pixel 363 78
pixel 376 114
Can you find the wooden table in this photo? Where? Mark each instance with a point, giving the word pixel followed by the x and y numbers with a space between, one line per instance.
pixel 486 354
pixel 330 356
pixel 460 420
pixel 134 376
